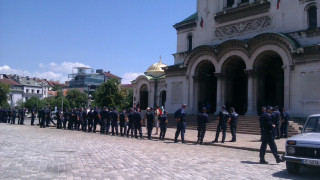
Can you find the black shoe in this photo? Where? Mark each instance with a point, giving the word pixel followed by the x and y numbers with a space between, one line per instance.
pixel 215 141
pixel 201 142
pixel 175 141
pixel 263 162
pixel 183 141
pixel 222 141
pixel 279 160
pixel 232 141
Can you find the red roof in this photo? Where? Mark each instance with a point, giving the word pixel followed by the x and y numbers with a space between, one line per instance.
pixel 108 74
pixel 127 85
pixel 9 81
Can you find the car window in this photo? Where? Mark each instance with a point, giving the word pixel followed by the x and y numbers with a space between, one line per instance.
pixel 313 125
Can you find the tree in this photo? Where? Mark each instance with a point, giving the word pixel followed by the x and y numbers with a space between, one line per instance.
pixel 108 94
pixel 4 91
pixel 76 98
pixel 33 102
pixel 127 98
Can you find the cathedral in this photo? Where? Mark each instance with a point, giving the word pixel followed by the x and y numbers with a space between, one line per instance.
pixel 240 53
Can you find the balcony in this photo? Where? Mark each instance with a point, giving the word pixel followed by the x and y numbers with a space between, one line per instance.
pixel 245 10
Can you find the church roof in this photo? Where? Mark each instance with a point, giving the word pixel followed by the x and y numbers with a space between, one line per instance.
pixel 156 70
pixel 191 18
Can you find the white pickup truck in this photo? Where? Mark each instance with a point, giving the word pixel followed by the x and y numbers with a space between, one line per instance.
pixel 304 149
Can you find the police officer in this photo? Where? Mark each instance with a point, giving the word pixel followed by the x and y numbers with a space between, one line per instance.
pixel 9 115
pixel 48 116
pixel 59 119
pixel 163 121
pixel 123 119
pixel 33 116
pixel 84 120
pixel 43 118
pixel 137 120
pixel 13 117
pixel 202 122
pixel 73 116
pixel 285 122
pixel 103 114
pixel 23 115
pixel 223 119
pixel 263 111
pixel 79 119
pixel 96 118
pixel 233 124
pixel 108 117
pixel 114 121
pixel 150 121
pixel 267 137
pixel 180 116
pixel 90 120
pixel 276 115
pixel 130 122
pixel 66 118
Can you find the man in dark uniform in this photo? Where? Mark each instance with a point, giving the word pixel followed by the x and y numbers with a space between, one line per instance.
pixel 123 126
pixel 163 121
pixel 285 122
pixel 137 120
pixel 108 117
pixel 48 116
pixel 263 111
pixel 180 115
pixel 103 114
pixel 130 123
pixel 66 118
pixel 150 121
pixel 13 117
pixel 78 119
pixel 276 121
pixel 96 118
pixel 267 137
pixel 90 120
pixel 72 119
pixel 202 122
pixel 84 120
pixel 33 116
pixel 9 115
pixel 43 118
pixel 23 115
pixel 233 124
pixel 223 119
pixel 114 121
pixel 59 119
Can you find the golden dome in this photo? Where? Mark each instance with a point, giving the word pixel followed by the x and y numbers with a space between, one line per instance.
pixel 156 69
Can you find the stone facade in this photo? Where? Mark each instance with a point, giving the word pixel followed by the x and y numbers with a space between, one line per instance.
pixel 247 55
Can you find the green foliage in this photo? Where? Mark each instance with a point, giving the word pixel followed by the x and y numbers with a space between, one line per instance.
pixel 33 102
pixel 127 98
pixel 4 92
pixel 56 88
pixel 108 94
pixel 77 98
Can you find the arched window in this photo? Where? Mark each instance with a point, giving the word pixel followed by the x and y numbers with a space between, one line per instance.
pixel 230 3
pixel 312 17
pixel 190 42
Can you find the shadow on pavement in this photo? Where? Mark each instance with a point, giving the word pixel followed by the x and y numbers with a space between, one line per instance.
pixel 249 162
pixel 304 173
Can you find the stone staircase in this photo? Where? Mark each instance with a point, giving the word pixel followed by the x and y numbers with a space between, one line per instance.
pixel 246 124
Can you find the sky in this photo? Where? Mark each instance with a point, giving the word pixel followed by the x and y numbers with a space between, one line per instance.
pixel 46 38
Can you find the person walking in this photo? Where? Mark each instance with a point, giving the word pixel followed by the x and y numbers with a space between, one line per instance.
pixel 202 123
pixel 233 124
pixel 163 121
pixel 223 119
pixel 267 137
pixel 149 116
pixel 180 116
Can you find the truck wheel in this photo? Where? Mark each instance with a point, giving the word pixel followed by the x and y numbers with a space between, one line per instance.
pixel 292 168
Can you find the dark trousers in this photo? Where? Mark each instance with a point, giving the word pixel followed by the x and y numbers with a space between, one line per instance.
pixel 284 130
pixel 59 123
pixel 84 125
pixel 103 126
pixel 22 120
pixel 149 127
pixel 9 119
pixel 77 125
pixel 70 124
pixel 130 128
pixel 233 129
pixel 95 122
pixel 19 120
pixel 224 129
pixel 32 120
pixel 47 121
pixel 268 139
pixel 90 124
pixel 163 130
pixel 65 123
pixel 201 132
pixel 276 130
pixel 136 129
pixel 13 120
pixel 42 122
pixel 114 126
pixel 123 129
pixel 108 124
pixel 181 127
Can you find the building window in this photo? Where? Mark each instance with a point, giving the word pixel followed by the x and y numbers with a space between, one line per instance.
pixel 38 91
pixel 230 3
pixel 312 17
pixel 190 42
pixel 32 91
pixel 27 90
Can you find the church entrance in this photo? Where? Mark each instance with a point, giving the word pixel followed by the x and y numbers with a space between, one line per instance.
pixel 163 96
pixel 235 84
pixel 207 86
pixel 270 80
pixel 143 97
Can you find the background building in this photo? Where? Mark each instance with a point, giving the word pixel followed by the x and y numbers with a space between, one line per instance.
pixel 245 54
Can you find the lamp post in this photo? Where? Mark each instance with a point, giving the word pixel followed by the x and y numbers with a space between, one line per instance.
pixel 11 100
pixel 89 95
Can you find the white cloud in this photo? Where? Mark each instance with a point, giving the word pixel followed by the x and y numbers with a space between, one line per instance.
pixel 5 67
pixel 41 65
pixel 52 64
pixel 128 77
pixel 65 67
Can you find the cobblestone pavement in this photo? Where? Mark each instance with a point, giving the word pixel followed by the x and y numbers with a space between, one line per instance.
pixel 28 152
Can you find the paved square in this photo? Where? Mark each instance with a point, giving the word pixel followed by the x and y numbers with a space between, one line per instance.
pixel 28 152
